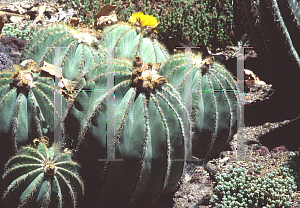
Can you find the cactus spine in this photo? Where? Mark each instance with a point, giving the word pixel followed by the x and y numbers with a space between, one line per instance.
pixel 214 101
pixel 150 135
pixel 42 177
pixel 27 106
pixel 80 49
pixel 274 28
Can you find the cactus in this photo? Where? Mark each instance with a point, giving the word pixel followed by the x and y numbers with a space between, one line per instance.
pixel 274 28
pixel 128 41
pixel 42 177
pixel 81 49
pixel 214 101
pixel 27 108
pixel 149 134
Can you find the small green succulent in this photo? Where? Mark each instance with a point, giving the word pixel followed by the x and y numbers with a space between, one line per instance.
pixel 15 30
pixel 238 188
pixel 196 22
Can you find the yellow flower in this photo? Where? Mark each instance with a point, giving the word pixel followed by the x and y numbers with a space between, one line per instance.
pixel 135 17
pixel 144 20
pixel 148 20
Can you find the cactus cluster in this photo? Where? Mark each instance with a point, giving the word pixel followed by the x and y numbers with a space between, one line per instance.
pixel 149 133
pixel 238 188
pixel 27 108
pixel 129 108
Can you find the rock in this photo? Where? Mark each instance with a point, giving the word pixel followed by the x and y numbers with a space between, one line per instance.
pixel 187 178
pixel 248 85
pixel 262 150
pixel 5 61
pixel 11 49
pixel 208 181
pixel 280 148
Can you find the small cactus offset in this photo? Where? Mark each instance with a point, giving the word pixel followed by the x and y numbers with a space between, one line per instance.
pixel 80 49
pixel 149 134
pixel 214 100
pixel 129 40
pixel 42 177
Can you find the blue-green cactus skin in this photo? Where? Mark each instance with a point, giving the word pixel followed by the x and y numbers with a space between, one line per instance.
pixel 149 136
pixel 214 101
pixel 80 51
pixel 27 113
pixel 128 41
pixel 42 177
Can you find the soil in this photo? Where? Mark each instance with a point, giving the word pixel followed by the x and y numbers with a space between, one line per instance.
pixel 195 188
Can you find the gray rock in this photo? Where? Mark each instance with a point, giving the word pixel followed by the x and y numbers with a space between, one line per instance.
pixel 11 49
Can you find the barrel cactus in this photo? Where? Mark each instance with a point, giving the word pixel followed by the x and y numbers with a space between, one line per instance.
pixel 80 49
pixel 150 134
pixel 27 109
pixel 274 29
pixel 42 177
pixel 214 100
pixel 129 40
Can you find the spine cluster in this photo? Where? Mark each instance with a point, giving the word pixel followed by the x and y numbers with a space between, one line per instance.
pixel 146 76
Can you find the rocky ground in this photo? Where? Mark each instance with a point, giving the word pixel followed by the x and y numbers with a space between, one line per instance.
pixel 195 188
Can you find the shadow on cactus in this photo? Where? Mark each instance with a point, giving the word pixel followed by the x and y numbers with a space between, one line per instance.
pixel 42 177
pixel 274 28
pixel 212 91
pixel 148 120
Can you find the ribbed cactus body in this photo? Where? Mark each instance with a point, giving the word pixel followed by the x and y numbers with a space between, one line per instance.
pixel 79 50
pixel 149 134
pixel 27 108
pixel 128 41
pixel 214 100
pixel 42 177
pixel 274 30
